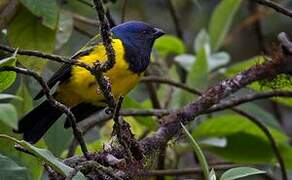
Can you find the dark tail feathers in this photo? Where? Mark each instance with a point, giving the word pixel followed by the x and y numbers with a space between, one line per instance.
pixel 36 123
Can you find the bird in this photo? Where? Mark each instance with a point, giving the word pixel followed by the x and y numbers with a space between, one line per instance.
pixel 77 88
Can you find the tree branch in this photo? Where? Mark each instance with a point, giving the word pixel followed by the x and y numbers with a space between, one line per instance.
pixel 175 19
pixel 271 139
pixel 277 7
pixel 53 102
pixel 170 123
pixel 248 98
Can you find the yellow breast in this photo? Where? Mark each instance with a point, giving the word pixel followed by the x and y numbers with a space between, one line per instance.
pixel 82 85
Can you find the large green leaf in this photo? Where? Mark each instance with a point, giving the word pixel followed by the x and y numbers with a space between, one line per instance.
pixel 202 39
pixel 244 148
pixel 33 165
pixel 197 76
pixel 225 125
pixel 65 28
pixel 52 138
pixel 10 170
pixel 7 78
pixel 169 44
pixel 244 65
pixel 240 172
pixel 263 115
pixel 26 103
pixel 46 156
pixel 221 21
pixel 8 115
pixel 26 32
pixel 46 10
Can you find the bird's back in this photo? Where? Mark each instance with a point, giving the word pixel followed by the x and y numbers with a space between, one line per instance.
pixel 83 85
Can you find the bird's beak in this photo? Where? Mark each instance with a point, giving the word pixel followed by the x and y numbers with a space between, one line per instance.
pixel 158 33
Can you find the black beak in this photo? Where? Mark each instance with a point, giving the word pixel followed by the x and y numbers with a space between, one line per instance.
pixel 158 33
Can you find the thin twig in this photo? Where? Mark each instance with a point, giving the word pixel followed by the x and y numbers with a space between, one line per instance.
pixel 175 19
pixel 248 98
pixel 51 57
pixel 53 102
pixel 51 173
pixel 271 139
pixel 276 6
pixel 170 82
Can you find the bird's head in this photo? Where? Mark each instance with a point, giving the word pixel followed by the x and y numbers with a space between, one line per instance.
pixel 137 34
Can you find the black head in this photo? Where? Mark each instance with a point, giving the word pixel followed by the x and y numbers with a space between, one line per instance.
pixel 137 34
pixel 138 39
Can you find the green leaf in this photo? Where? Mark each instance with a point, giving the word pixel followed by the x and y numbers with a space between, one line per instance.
pixel 26 32
pixel 9 96
pixel 169 44
pixel 244 65
pixel 218 59
pixel 92 147
pixel 8 115
pixel 33 165
pixel 47 157
pixel 201 40
pixel 7 78
pixel 26 104
pixel 198 76
pixel 65 28
pixel 148 122
pixel 10 170
pixel 240 172
pixel 185 60
pixel 265 116
pixel 221 21
pixel 199 153
pixel 52 138
pixel 225 125
pixel 243 148
pixel 46 10
pixel 286 152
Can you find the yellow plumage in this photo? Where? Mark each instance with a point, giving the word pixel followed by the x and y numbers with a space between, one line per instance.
pixel 82 86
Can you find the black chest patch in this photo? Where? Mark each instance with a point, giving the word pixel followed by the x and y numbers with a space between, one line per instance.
pixel 138 59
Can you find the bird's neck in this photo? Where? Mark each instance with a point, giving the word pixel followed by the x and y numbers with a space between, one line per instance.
pixel 137 57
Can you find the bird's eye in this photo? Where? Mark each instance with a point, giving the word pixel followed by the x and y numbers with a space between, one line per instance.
pixel 145 32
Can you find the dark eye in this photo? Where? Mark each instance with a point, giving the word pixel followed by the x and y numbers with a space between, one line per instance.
pixel 145 32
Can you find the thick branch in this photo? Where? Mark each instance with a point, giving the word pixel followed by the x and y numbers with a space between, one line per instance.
pixel 170 123
pixel 99 69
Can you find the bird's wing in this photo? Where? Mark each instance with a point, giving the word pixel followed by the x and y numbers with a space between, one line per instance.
pixel 64 72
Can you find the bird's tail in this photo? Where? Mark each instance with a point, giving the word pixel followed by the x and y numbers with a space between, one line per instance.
pixel 36 123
